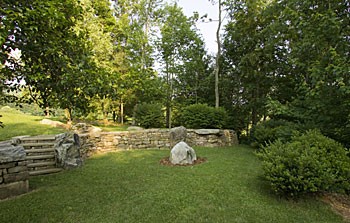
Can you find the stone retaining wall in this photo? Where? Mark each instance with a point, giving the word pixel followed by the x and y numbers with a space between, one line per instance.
pixel 14 173
pixel 151 139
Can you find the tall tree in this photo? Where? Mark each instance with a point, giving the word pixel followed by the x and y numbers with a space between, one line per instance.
pixel 247 68
pixel 57 64
pixel 290 60
pixel 101 27
pixel 218 54
pixel 137 22
pixel 317 37
pixel 183 57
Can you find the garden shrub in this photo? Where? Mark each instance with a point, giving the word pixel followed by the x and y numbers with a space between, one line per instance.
pixel 269 131
pixel 203 116
pixel 310 163
pixel 149 115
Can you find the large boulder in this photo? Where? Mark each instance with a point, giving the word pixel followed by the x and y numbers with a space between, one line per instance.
pixel 82 128
pixel 182 154
pixel 11 153
pixel 67 148
pixel 177 134
pixel 53 123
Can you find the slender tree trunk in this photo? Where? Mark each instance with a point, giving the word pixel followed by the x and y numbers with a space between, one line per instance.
pixel 114 116
pixel 217 60
pixel 169 92
pixel 121 112
pixel 47 112
pixel 105 113
pixel 68 113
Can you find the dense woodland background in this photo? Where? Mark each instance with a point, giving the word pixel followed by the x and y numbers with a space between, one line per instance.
pixel 282 64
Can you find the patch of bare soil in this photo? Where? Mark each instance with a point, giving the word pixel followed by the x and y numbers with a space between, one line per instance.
pixel 166 162
pixel 340 203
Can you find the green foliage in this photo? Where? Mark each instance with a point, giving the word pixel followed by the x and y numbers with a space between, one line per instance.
pixel 203 116
pixel 295 52
pixel 310 163
pixel 271 130
pixel 149 115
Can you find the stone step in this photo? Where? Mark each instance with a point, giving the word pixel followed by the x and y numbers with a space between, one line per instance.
pixel 39 144
pixel 40 157
pixel 48 150
pixel 39 138
pixel 44 171
pixel 41 164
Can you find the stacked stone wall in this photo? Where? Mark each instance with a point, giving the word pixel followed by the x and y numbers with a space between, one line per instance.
pixel 153 139
pixel 14 173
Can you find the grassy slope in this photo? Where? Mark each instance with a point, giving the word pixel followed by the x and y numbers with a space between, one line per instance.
pixel 17 124
pixel 132 186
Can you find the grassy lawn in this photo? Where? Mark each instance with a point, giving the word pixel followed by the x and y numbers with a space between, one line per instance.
pixel 132 186
pixel 17 124
pixel 112 127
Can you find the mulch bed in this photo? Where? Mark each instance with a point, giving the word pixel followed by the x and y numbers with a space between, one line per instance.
pixel 166 162
pixel 339 203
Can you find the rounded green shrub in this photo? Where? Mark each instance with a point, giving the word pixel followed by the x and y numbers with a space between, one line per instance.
pixel 203 116
pixel 149 115
pixel 310 163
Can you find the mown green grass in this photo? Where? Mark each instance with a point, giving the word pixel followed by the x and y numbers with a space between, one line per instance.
pixel 113 128
pixel 132 186
pixel 17 123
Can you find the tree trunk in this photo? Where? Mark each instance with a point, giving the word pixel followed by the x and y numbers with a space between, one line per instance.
pixel 217 60
pixel 105 113
pixel 68 113
pixel 121 112
pixel 114 116
pixel 169 92
pixel 47 112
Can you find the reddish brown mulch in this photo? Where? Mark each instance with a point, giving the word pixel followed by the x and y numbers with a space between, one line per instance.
pixel 166 162
pixel 339 203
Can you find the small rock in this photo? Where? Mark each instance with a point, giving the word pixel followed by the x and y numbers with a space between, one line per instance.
pixel 177 134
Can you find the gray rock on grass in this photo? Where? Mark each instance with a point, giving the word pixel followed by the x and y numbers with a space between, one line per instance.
pixel 182 154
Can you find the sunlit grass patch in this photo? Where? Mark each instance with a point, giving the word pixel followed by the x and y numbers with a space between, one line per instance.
pixel 17 123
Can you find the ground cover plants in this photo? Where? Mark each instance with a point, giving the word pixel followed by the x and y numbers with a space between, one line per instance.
pixel 133 186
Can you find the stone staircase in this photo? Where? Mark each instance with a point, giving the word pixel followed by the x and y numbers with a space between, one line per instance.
pixel 41 156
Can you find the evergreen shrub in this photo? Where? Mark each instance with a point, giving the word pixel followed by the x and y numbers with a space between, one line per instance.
pixel 310 163
pixel 149 115
pixel 199 116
